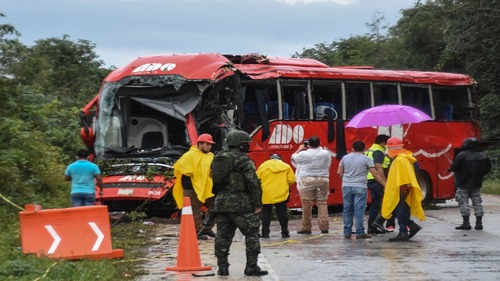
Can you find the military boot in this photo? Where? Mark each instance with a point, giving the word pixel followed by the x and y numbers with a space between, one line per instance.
pixel 252 269
pixel 479 223
pixel 465 224
pixel 223 264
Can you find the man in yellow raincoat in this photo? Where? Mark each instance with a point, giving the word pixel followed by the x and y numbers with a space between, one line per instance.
pixel 276 177
pixel 193 180
pixel 402 195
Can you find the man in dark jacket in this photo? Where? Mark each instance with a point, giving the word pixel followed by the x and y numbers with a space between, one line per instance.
pixel 238 200
pixel 470 166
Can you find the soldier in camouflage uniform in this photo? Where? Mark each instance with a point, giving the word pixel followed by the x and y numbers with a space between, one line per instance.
pixel 237 202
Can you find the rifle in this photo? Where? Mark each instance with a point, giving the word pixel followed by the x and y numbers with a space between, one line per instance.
pixel 208 220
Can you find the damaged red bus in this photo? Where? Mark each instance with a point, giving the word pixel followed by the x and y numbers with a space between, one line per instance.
pixel 151 111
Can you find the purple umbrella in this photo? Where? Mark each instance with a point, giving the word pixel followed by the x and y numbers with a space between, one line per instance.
pixel 387 115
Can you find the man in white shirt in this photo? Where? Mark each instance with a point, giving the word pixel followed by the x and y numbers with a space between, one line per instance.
pixel 313 166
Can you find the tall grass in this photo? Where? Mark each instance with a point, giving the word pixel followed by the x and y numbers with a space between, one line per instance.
pixel 491 186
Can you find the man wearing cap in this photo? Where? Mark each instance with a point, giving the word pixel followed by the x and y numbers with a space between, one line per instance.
pixel 276 177
pixel 193 180
pixel 403 194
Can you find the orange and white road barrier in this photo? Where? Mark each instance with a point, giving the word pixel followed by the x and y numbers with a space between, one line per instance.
pixel 69 233
pixel 188 253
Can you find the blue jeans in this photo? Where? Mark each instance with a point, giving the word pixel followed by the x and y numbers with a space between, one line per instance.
pixel 354 201
pixel 82 199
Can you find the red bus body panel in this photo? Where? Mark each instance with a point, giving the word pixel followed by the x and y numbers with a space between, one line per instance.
pixel 433 146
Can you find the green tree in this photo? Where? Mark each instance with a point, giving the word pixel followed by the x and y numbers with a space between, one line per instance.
pixel 473 35
pixel 42 89
pixel 10 47
pixel 420 31
pixel 372 49
pixel 54 79
pixel 62 68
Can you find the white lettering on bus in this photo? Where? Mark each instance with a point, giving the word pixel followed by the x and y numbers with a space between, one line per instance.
pixel 148 67
pixel 154 192
pixel 132 178
pixel 298 134
pixel 283 134
pixel 167 67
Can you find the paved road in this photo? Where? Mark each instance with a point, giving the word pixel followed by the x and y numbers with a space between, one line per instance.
pixel 438 252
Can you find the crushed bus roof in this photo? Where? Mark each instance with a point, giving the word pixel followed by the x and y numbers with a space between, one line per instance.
pixel 214 66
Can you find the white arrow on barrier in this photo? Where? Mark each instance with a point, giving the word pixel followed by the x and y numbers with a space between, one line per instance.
pixel 56 237
pixel 100 236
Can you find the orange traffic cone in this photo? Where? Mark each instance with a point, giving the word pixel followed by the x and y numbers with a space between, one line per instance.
pixel 188 253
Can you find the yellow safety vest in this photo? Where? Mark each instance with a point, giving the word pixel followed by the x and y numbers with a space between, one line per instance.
pixel 369 153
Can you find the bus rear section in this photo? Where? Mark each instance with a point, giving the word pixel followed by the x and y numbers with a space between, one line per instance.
pixel 285 104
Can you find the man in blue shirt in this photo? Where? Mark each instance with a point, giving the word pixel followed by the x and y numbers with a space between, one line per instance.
pixel 82 173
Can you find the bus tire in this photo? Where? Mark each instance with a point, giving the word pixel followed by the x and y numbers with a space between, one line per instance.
pixel 425 184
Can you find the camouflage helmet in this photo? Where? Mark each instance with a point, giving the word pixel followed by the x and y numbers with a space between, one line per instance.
pixel 236 138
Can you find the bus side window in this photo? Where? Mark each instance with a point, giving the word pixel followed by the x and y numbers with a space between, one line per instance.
pixel 358 98
pixel 446 111
pixel 250 114
pixel 321 109
pixel 418 97
pixel 295 103
pixel 385 94
pixel 275 109
pixel 300 105
pixel 451 103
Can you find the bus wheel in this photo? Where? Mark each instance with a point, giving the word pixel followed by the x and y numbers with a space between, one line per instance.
pixel 425 184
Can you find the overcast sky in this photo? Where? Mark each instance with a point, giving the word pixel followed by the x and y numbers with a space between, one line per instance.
pixel 125 29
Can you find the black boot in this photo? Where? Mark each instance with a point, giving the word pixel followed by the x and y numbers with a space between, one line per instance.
pixel 223 264
pixel 479 223
pixel 414 228
pixel 378 224
pixel 465 225
pixel 252 269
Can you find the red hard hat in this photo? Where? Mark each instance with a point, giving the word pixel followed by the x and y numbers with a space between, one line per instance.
pixel 392 141
pixel 206 138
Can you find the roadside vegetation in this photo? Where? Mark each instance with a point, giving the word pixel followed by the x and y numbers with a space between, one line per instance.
pixel 491 187
pixel 44 86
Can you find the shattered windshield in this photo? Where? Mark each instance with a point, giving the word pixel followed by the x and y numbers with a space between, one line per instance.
pixel 145 113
